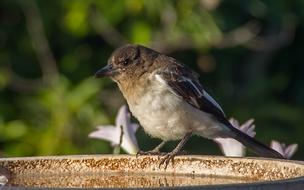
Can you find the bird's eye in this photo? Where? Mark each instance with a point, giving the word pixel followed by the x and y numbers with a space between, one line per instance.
pixel 126 62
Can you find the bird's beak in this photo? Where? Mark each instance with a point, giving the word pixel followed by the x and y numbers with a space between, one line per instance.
pixel 106 71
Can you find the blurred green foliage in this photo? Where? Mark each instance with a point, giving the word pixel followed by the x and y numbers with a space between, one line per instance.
pixel 248 53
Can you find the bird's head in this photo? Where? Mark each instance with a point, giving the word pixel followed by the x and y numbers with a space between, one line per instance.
pixel 128 61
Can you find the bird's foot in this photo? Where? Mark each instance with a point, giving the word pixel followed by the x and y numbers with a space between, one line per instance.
pixel 170 157
pixel 167 158
pixel 178 150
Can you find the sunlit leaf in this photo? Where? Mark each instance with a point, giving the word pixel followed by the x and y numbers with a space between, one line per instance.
pixel 75 19
pixel 140 33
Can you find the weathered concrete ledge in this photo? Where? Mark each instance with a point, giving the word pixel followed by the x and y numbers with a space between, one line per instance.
pixel 121 171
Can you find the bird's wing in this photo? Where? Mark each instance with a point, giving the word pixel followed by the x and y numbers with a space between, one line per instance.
pixel 184 83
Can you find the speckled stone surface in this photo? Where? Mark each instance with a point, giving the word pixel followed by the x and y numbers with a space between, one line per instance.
pixel 123 171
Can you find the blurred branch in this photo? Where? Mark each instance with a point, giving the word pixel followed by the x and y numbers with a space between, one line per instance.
pixel 22 84
pixel 247 36
pixel 240 35
pixel 104 28
pixel 39 40
pixel 274 42
pixel 41 46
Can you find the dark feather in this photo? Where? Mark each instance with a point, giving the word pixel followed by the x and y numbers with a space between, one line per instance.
pixel 184 83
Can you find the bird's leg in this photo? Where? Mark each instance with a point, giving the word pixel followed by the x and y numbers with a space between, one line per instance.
pixel 177 150
pixel 155 151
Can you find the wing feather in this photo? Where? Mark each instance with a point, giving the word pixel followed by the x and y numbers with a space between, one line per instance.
pixel 184 83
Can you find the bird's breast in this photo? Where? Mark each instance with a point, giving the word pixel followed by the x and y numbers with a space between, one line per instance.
pixel 160 114
pixel 167 116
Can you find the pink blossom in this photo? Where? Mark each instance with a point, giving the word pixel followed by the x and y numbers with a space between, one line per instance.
pixel 282 148
pixel 234 148
pixel 113 133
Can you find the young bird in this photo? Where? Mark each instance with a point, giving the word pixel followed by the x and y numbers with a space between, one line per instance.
pixel 168 100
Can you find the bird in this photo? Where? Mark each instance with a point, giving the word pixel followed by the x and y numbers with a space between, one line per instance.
pixel 168 100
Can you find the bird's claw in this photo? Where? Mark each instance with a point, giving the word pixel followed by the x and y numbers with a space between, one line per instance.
pixel 167 158
pixel 170 157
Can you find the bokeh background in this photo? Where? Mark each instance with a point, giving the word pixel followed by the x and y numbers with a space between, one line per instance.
pixel 249 54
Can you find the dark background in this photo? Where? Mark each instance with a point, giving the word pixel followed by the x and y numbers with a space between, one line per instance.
pixel 249 55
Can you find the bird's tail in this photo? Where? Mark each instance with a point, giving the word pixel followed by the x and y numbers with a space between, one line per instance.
pixel 254 145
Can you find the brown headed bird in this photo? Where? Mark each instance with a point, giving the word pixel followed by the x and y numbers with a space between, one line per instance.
pixel 169 102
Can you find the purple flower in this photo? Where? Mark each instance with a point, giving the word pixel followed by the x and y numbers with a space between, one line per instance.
pixel 282 148
pixel 234 148
pixel 122 134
